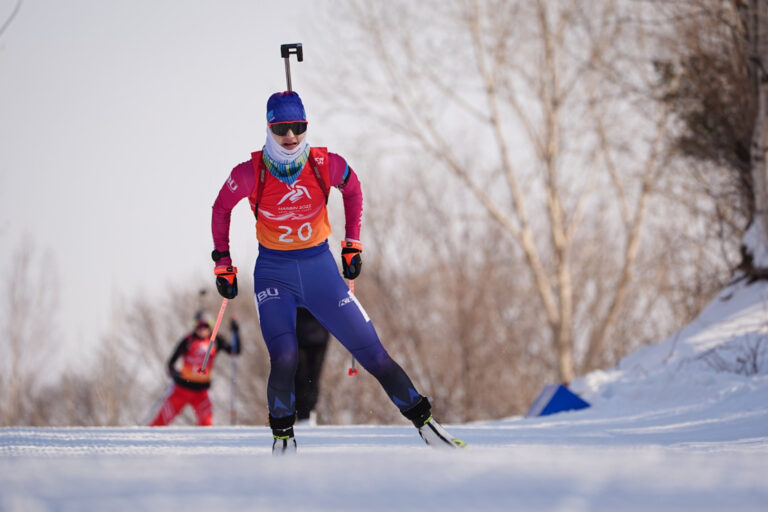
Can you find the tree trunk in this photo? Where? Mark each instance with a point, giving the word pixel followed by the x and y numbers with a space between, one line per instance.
pixel 755 19
pixel 760 132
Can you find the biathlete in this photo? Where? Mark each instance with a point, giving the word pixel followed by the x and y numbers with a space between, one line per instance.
pixel 287 184
pixel 190 387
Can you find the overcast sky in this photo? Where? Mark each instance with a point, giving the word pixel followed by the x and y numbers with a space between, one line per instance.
pixel 119 121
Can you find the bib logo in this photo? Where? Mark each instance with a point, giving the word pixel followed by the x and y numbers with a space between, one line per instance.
pixel 267 294
pixel 296 192
pixel 319 160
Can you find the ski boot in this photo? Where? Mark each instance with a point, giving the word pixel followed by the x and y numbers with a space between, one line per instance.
pixel 430 430
pixel 282 431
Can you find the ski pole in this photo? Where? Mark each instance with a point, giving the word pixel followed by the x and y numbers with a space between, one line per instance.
pixel 213 337
pixel 285 52
pixel 352 369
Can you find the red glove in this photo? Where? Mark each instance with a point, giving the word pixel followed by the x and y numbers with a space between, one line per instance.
pixel 226 281
pixel 351 263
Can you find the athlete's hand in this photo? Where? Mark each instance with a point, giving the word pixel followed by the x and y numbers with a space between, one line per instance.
pixel 351 262
pixel 226 281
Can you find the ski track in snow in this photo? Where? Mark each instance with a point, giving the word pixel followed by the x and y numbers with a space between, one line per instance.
pixel 666 432
pixel 569 462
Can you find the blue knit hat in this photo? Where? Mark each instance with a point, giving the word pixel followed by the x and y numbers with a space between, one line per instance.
pixel 283 107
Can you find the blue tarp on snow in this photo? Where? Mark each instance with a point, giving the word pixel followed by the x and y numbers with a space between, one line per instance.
pixel 555 398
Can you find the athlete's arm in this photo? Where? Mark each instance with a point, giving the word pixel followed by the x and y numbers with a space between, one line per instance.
pixel 223 344
pixel 345 179
pixel 238 185
pixel 177 353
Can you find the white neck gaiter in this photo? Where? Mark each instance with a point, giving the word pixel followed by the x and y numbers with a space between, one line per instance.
pixel 281 155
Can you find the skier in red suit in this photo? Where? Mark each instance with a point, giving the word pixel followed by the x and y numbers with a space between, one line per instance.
pixel 190 386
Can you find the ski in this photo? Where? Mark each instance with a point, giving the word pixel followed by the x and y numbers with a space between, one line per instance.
pixel 283 445
pixel 437 437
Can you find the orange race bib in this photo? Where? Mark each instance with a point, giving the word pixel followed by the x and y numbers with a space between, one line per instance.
pixel 290 217
pixel 193 359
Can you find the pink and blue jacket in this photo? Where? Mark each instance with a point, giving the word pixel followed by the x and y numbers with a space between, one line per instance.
pixel 289 216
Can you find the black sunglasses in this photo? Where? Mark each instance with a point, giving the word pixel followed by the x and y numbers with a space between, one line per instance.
pixel 281 129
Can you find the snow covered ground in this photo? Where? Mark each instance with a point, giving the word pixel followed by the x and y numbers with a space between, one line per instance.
pixel 682 425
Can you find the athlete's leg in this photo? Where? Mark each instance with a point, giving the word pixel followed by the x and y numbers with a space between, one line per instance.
pixel 277 315
pixel 171 407
pixel 203 408
pixel 307 379
pixel 327 296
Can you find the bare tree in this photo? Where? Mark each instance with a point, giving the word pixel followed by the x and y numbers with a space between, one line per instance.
pixel 525 105
pixel 29 316
pixel 524 219
pixel 128 377
pixel 754 29
pixel 713 76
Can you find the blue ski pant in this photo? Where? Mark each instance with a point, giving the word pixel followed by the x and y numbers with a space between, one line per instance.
pixel 309 278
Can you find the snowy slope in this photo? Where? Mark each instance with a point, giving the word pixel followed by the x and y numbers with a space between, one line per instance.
pixel 704 370
pixel 672 427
